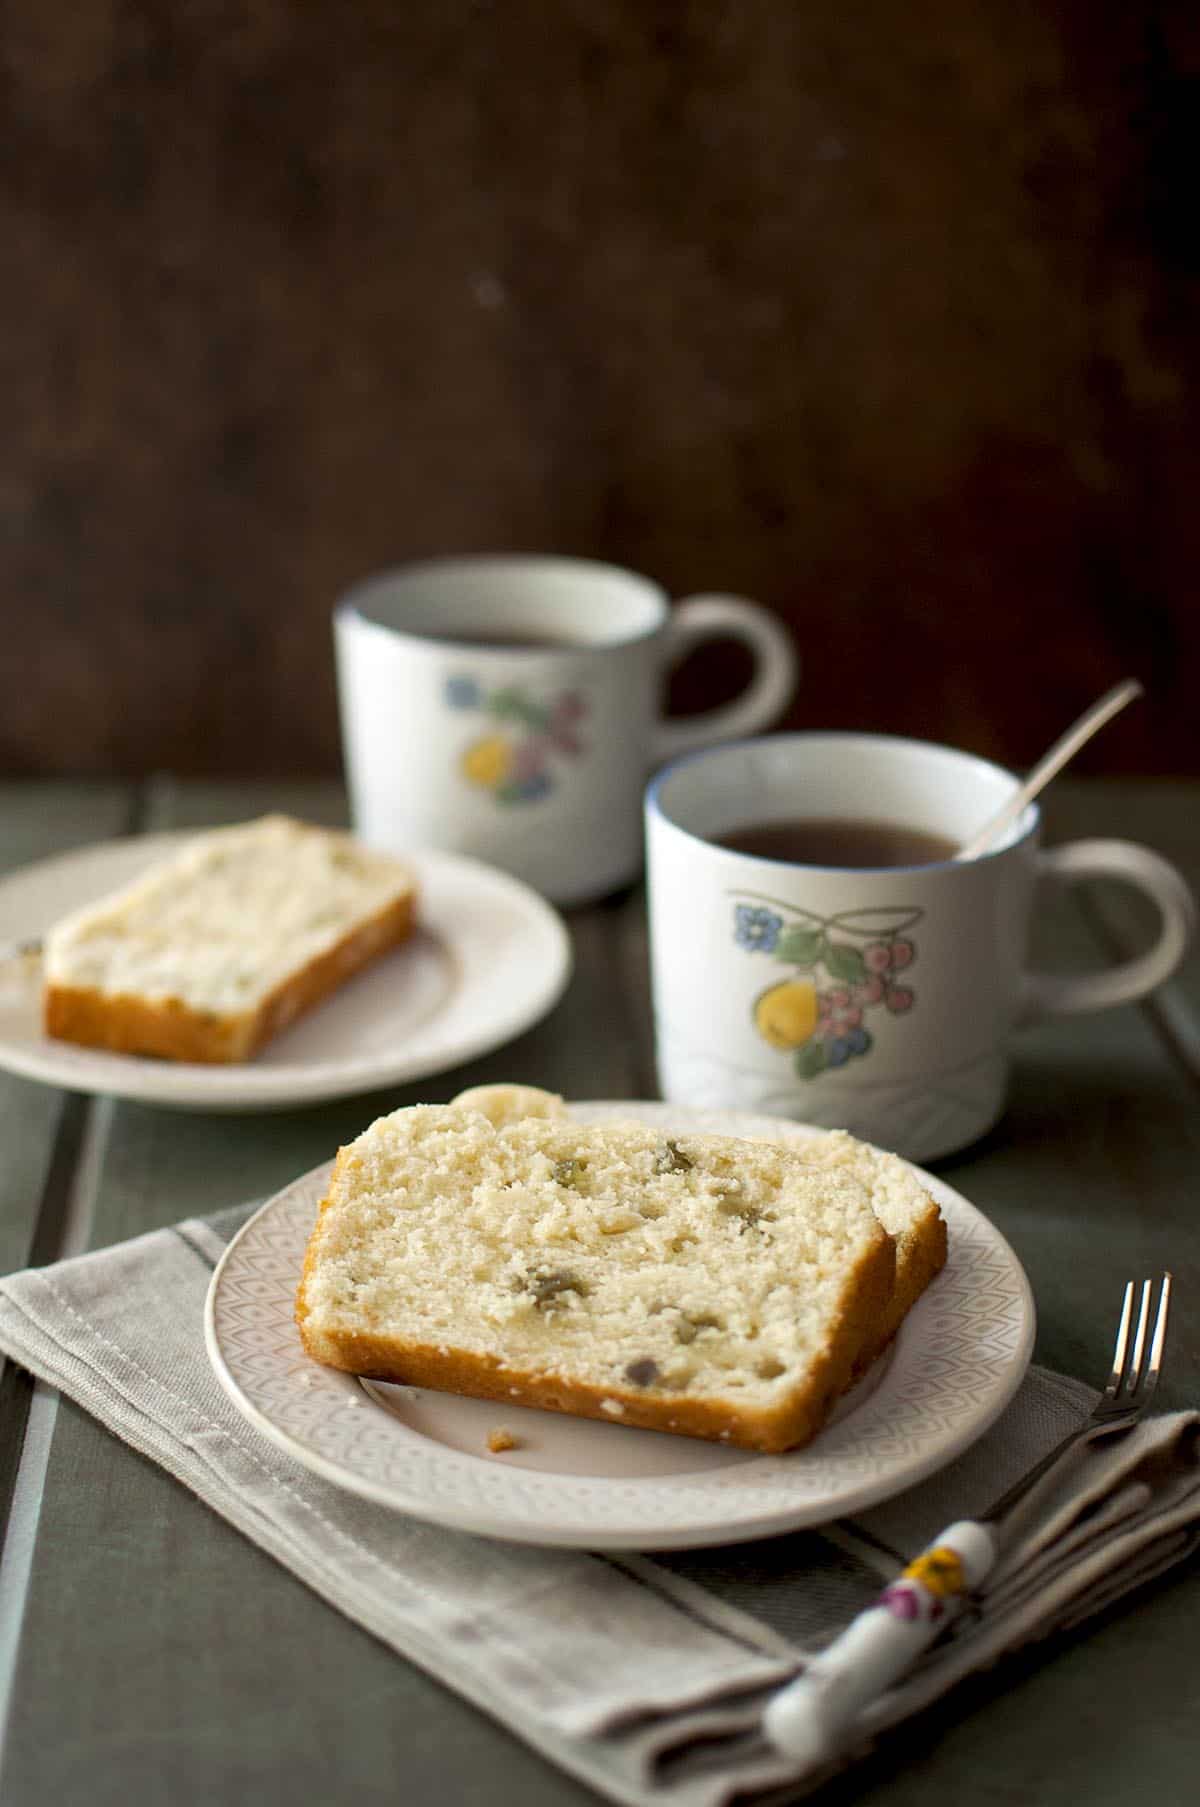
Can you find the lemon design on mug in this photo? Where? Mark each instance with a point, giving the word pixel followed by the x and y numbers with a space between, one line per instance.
pixel 786 1015
pixel 488 762
pixel 519 762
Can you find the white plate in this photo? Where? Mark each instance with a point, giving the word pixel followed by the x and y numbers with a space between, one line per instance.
pixel 959 1357
pixel 489 958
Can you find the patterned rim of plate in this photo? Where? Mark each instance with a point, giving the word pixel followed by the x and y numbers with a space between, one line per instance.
pixel 957 1361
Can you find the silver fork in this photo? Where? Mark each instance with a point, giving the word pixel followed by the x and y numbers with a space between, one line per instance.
pixel 1128 1393
pixel 809 1718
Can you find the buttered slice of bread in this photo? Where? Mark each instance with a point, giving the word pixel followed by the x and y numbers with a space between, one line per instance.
pixel 216 949
pixel 696 1284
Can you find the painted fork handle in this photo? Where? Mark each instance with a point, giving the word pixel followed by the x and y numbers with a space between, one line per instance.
pixel 809 1718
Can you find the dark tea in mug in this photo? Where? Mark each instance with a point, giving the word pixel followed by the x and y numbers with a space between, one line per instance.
pixel 832 841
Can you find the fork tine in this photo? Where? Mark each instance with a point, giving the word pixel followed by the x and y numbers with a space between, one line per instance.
pixel 1139 1340
pixel 1154 1363
pixel 1118 1367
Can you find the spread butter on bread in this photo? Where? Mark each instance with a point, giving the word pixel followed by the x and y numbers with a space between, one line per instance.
pixel 218 947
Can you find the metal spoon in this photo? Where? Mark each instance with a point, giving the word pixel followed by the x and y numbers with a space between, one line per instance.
pixel 1063 749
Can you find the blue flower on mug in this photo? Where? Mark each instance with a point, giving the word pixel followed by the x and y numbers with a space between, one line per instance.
pixel 756 929
pixel 462 693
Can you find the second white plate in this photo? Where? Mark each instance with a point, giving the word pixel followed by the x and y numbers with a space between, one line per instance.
pixel 959 1357
pixel 489 958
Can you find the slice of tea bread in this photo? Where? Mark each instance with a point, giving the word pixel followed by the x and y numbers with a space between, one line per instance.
pixel 222 944
pixel 898 1197
pixel 717 1288
pixel 904 1208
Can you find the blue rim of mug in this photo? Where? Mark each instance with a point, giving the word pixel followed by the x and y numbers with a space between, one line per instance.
pixel 350 605
pixel 654 806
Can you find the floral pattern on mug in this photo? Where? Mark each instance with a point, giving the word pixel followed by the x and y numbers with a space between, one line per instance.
pixel 515 761
pixel 843 967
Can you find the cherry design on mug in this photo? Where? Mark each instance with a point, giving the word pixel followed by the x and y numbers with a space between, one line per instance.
pixel 844 966
pixel 515 762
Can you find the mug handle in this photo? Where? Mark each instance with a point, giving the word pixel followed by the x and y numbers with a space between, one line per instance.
pixel 1045 995
pixel 766 696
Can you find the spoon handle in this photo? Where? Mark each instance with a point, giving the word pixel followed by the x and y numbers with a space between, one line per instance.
pixel 1063 749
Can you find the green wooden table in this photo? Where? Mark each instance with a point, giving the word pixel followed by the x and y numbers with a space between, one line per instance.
pixel 148 1653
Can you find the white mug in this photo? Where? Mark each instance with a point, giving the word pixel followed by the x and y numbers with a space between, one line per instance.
pixel 508 707
pixel 878 1000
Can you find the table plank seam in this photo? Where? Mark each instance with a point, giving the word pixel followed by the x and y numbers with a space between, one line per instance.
pixel 28 1410
pixel 45 1243
pixel 37 1406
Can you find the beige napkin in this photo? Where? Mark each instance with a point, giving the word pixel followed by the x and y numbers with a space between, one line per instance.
pixel 642 1676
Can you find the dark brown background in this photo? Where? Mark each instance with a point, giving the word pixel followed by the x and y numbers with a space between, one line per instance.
pixel 882 314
